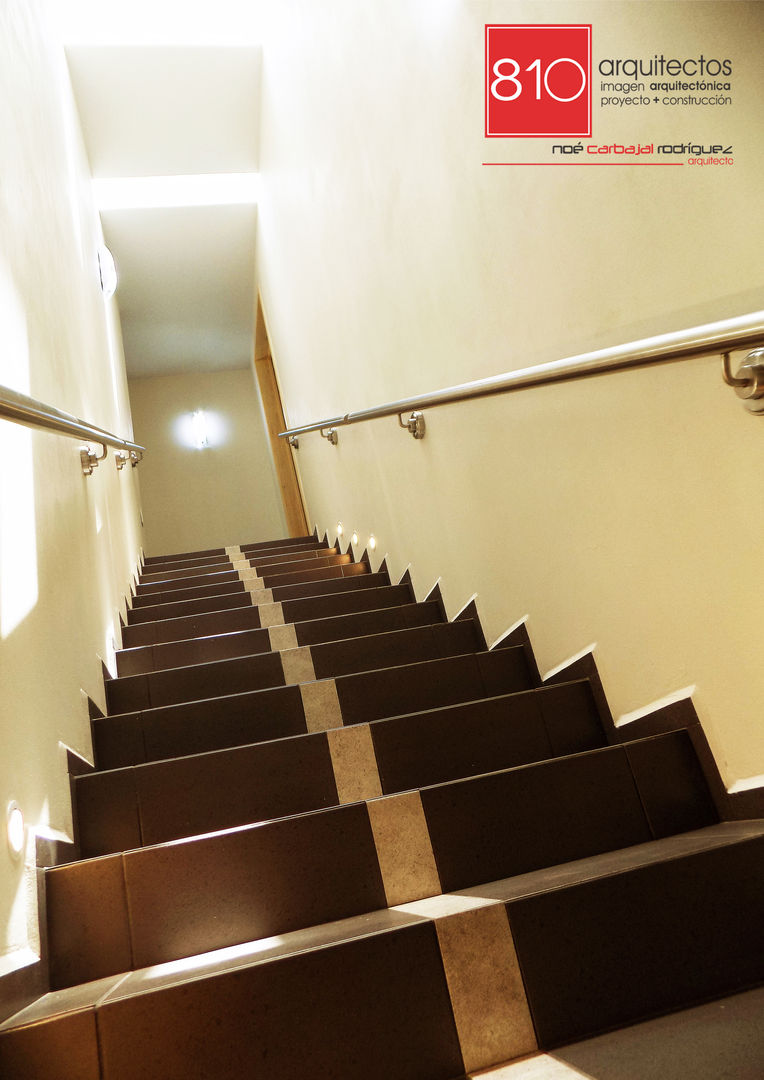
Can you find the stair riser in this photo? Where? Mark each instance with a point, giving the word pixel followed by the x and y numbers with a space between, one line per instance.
pixel 186 588
pixel 210 892
pixel 224 722
pixel 221 622
pixel 158 802
pixel 224 562
pixel 327 581
pixel 277 669
pixel 609 952
pixel 287 1012
pixel 159 657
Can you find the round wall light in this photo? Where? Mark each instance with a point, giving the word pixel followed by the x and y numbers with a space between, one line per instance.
pixel 15 829
pixel 107 271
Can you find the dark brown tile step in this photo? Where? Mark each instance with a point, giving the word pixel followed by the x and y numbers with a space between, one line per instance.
pixel 289 542
pixel 318 589
pixel 180 566
pixel 607 941
pixel 294 561
pixel 186 581
pixel 195 682
pixel 335 566
pixel 168 800
pixel 153 559
pixel 327 586
pixel 168 901
pixel 242 618
pixel 238 719
pixel 171 901
pixel 232 584
pixel 277 1001
pixel 263 561
pixel 256 672
pixel 181 609
pixel 509 823
pixel 371 592
pixel 152 803
pixel 201 649
pixel 140 635
pixel 195 570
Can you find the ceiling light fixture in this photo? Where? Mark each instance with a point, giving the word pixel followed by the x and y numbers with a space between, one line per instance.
pixel 147 192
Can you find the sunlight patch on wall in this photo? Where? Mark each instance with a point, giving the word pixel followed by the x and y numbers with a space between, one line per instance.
pixel 18 527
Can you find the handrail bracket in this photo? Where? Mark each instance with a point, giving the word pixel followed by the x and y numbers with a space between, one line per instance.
pixel 415 424
pixel 748 382
pixel 90 459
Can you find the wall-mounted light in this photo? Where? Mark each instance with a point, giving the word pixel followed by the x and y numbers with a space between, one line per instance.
pixel 107 271
pixel 372 542
pixel 354 538
pixel 199 429
pixel 15 829
pixel 340 529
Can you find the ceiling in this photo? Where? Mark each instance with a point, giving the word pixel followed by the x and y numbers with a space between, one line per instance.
pixel 186 284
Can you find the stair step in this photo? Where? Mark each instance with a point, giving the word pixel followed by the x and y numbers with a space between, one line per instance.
pixel 607 941
pixel 280 1001
pixel 222 722
pixel 183 608
pixel 310 583
pixel 152 803
pixel 220 622
pixel 174 899
pixel 255 672
pixel 199 650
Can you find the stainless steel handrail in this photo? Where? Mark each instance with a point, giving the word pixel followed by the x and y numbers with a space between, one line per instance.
pixel 27 410
pixel 724 336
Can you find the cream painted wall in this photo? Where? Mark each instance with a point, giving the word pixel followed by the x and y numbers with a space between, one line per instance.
pixel 68 544
pixel 620 513
pixel 224 494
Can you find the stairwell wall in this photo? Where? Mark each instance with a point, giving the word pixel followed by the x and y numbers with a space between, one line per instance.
pixel 617 512
pixel 225 493
pixel 68 544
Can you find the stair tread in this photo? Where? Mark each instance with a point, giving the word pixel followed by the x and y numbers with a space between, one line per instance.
pixel 379 921
pixel 619 861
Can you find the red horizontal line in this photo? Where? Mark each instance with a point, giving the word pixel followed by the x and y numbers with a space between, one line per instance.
pixel 589 164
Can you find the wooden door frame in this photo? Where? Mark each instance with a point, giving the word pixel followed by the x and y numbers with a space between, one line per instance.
pixel 283 454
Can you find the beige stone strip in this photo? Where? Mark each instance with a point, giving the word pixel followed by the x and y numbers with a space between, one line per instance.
pixel 321 705
pixel 249 574
pixel 241 564
pixel 255 586
pixel 488 998
pixel 538 1067
pixel 404 848
pixel 354 762
pixel 270 614
pixel 298 665
pixel 234 552
pixel 282 637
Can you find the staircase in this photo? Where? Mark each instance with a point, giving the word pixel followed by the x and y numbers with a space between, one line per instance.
pixel 330 834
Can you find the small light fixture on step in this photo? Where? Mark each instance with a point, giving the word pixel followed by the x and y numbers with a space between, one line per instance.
pixel 372 542
pixel 354 539
pixel 340 530
pixel 15 829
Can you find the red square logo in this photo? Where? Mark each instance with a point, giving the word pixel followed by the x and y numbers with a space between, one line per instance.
pixel 538 81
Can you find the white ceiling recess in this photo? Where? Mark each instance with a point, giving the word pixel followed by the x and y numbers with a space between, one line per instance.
pixel 186 283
